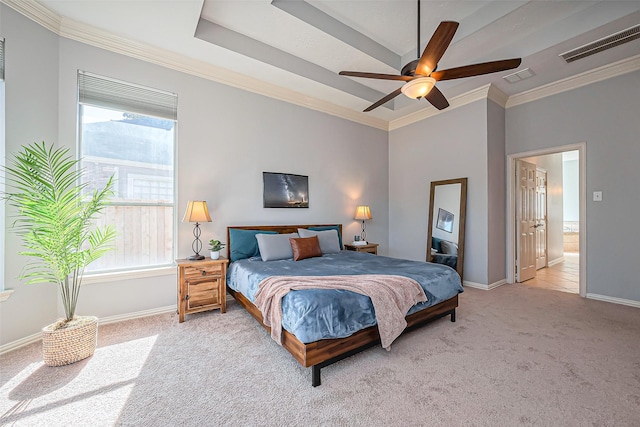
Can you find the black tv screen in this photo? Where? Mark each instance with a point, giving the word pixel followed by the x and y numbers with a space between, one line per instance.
pixel 284 190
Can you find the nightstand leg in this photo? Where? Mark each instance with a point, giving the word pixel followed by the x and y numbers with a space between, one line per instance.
pixel 182 310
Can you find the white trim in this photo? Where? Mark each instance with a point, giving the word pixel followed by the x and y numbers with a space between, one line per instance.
pixel 37 13
pixel 511 207
pixel 5 294
pixel 74 30
pixel 555 261
pixel 137 314
pixel 92 279
pixel 484 287
pixel 498 96
pixel 86 34
pixel 14 345
pixel 621 301
pixel 588 77
pixel 458 101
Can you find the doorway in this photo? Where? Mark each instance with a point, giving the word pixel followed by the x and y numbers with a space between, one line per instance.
pixel 551 264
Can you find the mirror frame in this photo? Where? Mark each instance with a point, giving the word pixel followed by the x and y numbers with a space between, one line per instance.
pixel 462 221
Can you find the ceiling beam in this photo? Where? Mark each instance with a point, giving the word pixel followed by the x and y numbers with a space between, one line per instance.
pixel 329 25
pixel 247 46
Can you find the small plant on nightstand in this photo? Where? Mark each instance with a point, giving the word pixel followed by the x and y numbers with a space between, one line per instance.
pixel 214 248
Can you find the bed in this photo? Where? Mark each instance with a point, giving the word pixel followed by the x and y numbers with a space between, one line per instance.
pixel 326 345
pixel 444 252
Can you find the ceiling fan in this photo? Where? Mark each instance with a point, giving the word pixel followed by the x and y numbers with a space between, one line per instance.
pixel 421 75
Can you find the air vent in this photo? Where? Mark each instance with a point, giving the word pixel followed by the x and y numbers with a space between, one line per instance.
pixel 602 44
pixel 519 75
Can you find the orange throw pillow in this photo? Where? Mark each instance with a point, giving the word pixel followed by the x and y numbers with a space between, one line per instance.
pixel 305 247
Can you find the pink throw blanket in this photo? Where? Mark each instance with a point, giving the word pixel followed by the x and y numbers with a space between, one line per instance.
pixel 392 297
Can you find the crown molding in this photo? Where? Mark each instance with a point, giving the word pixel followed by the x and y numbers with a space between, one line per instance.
pixel 498 96
pixel 458 101
pixel 83 33
pixel 86 34
pixel 583 79
pixel 36 12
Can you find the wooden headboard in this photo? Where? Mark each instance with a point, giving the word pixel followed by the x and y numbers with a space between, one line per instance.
pixel 281 229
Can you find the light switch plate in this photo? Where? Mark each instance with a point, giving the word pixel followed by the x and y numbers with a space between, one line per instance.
pixel 597 196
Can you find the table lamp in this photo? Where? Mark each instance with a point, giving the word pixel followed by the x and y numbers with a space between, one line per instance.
pixel 363 213
pixel 196 212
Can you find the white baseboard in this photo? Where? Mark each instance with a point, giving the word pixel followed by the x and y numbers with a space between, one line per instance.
pixel 20 343
pixel 483 286
pixel 555 261
pixel 614 300
pixel 101 321
pixel 137 314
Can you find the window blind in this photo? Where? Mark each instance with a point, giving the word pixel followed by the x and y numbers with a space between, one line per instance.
pixel 1 59
pixel 110 93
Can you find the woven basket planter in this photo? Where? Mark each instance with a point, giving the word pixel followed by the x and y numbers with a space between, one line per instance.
pixel 76 341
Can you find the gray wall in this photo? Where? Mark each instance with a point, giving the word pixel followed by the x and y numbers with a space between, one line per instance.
pixel 31 90
pixel 496 195
pixel 604 115
pixel 226 139
pixel 449 145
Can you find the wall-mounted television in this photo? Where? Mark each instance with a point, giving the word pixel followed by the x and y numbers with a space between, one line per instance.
pixel 285 190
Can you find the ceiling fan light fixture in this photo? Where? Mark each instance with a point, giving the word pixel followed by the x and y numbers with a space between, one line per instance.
pixel 419 87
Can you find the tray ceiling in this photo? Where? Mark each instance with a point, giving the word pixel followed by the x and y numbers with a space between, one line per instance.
pixel 298 47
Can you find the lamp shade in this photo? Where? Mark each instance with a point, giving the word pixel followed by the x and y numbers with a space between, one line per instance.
pixel 363 212
pixel 419 87
pixel 196 212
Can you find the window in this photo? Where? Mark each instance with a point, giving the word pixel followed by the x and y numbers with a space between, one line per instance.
pixel 128 131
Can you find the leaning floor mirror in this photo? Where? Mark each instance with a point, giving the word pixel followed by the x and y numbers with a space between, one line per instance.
pixel 447 214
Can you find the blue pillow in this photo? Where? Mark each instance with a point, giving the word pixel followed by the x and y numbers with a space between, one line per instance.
pixel 436 244
pixel 243 243
pixel 330 227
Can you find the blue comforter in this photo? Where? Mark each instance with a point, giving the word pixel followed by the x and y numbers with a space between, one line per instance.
pixel 312 315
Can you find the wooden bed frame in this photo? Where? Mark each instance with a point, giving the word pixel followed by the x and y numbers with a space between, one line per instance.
pixel 322 353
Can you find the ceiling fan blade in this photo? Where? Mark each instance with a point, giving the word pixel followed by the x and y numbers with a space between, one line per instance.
pixel 384 100
pixel 375 76
pixel 476 69
pixel 436 47
pixel 437 99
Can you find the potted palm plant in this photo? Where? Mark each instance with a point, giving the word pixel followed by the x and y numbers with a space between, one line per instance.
pixel 214 248
pixel 56 223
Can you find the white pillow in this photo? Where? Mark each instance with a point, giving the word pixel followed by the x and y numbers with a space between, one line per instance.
pixel 448 248
pixel 329 243
pixel 275 246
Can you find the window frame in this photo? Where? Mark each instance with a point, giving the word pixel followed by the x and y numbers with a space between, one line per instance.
pixel 139 271
pixel 4 293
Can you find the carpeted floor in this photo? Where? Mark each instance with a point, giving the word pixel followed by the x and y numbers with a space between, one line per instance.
pixel 516 356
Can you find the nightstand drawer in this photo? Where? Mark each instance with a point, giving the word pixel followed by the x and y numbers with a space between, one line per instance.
pixel 371 248
pixel 203 294
pixel 204 271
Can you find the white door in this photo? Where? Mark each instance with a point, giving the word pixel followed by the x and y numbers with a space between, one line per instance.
pixel 525 221
pixel 541 219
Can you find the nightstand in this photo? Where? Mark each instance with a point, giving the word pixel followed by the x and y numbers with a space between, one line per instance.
pixel 201 285
pixel 371 248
